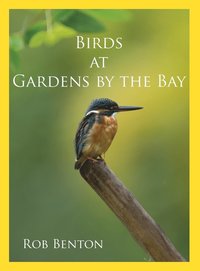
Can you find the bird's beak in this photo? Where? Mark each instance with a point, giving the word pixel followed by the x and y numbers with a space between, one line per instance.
pixel 128 108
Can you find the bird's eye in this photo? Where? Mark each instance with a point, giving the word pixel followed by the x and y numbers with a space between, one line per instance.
pixel 113 107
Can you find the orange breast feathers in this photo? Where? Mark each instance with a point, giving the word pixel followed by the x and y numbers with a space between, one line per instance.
pixel 101 136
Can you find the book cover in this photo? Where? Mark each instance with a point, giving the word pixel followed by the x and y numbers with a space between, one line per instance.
pixel 80 65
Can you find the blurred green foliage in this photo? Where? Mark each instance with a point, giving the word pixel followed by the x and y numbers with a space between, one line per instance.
pixel 48 199
pixel 50 26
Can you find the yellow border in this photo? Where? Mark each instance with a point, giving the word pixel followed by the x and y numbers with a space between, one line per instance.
pixel 5 5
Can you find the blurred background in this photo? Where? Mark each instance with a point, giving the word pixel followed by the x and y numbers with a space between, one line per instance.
pixel 48 198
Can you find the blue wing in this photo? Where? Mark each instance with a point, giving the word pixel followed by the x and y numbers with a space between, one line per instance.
pixel 82 132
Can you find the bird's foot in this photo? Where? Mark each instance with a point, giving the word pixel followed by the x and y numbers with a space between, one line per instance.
pixel 95 160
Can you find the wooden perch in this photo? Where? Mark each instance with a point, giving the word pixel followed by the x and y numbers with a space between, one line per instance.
pixel 139 223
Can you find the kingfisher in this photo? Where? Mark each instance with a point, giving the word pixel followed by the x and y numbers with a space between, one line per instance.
pixel 97 129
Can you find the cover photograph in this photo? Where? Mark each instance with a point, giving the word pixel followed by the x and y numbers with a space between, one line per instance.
pixel 99 135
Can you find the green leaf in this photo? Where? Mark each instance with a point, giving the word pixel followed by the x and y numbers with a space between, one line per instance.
pixel 83 23
pixel 38 39
pixel 31 31
pixel 61 14
pixel 57 33
pixel 108 14
pixel 16 42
